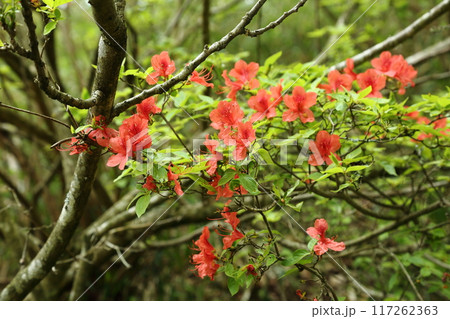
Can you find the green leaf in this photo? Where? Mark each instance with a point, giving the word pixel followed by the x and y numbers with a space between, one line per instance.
pixel 55 3
pixel 248 280
pixel 249 183
pixel 227 176
pixel 334 159
pixel 298 255
pixel 142 204
pixel 271 259
pixel 365 92
pixel 233 286
pixel 229 270
pixel 1 43
pixel 425 272
pixel 356 168
pixel 335 170
pixel 202 182
pixel 389 168
pixel 342 187
pixel 354 154
pixel 265 156
pixel 311 244
pixel 315 176
pixel 290 190
pixel 272 59
pixel 206 99
pixel 49 27
pixel 289 272
pixel 341 106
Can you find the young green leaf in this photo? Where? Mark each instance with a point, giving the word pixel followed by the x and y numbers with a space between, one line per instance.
pixel 233 286
pixel 142 204
pixel 249 183
pixel 49 27
pixel 298 255
pixel 227 176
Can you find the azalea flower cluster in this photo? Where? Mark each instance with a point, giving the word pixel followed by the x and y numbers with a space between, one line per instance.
pixel 385 67
pixel 132 137
pixel 205 260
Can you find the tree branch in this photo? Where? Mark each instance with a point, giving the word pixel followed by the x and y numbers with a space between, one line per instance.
pixel 26 279
pixel 109 16
pixel 239 29
pixel 277 22
pixel 42 79
pixel 394 225
pixel 400 37
pixel 33 113
pixel 430 52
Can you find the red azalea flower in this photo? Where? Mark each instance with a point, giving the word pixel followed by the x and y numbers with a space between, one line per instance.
pixel 133 137
pixel 245 137
pixel 174 177
pixel 337 82
pixel 384 64
pixel 101 133
pixel 204 260
pixel 150 183
pixel 371 78
pixel 251 270
pixel 322 148
pixel 299 104
pixel 202 78
pixel 162 66
pixel 323 244
pixel 221 191
pixel 245 77
pixel 147 108
pixel 211 145
pixel 397 67
pixel 118 145
pixel 231 218
pixel 227 114
pixel 75 146
pixel 412 115
pixel 405 73
pixel 135 130
pixel 441 123
pixel 246 73
pixel 265 103
pixel 349 69
pixel 230 239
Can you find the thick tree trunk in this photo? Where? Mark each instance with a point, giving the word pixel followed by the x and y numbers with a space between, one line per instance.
pixel 109 16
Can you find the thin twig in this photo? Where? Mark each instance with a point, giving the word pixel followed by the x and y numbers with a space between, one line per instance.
pixel 277 22
pixel 405 272
pixel 33 113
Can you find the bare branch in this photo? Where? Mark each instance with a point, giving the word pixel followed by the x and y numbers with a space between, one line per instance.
pixel 33 113
pixel 400 37
pixel 431 77
pixel 430 52
pixel 394 225
pixel 42 79
pixel 277 22
pixel 239 29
